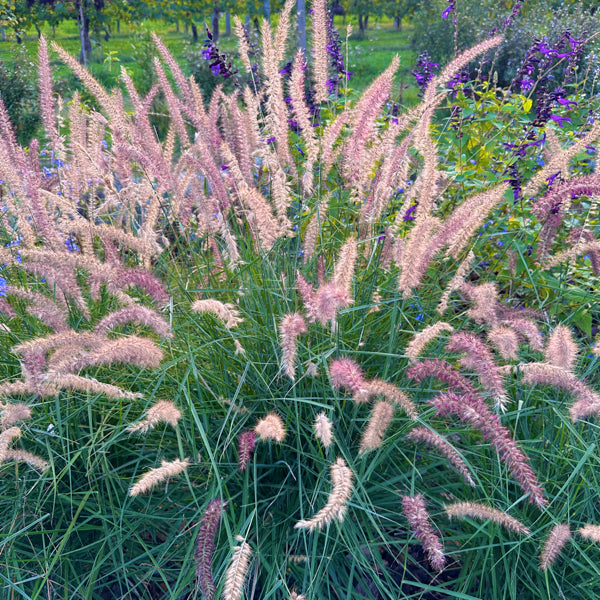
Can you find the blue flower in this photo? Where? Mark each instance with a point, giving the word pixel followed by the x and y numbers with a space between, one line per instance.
pixel 3 286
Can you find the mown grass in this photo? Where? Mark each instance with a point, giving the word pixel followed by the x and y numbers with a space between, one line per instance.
pixel 367 56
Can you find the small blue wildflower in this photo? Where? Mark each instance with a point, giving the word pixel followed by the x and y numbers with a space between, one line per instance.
pixel 3 286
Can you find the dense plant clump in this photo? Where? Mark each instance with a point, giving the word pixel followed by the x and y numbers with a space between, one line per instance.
pixel 304 346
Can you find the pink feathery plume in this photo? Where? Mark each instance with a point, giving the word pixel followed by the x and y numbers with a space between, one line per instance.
pixel 46 98
pixel 442 371
pixel 291 326
pixel 579 235
pixel 474 411
pixel 506 341
pixel 561 350
pixel 308 295
pixel 420 522
pixel 478 357
pixel 44 308
pixel 555 542
pixel 441 444
pixel 140 315
pixel 205 547
pixel 126 278
pixel 527 329
pixel 346 374
pixel 246 443
pixel 328 299
pixel 485 302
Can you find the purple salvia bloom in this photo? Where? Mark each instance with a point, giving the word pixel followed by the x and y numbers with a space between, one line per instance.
pixel 205 547
pixel 451 6
pixel 560 120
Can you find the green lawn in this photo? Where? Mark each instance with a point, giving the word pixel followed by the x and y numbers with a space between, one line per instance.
pixel 367 57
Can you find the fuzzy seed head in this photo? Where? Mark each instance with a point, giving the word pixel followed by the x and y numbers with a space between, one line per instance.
pixel 271 427
pixel 555 542
pixel 323 429
pixel 420 523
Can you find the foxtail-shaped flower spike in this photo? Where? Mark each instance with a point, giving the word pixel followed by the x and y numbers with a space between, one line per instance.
pixel 335 509
pixel 291 326
pixel 271 427
pixel 478 357
pixel 246 442
pixel 381 417
pixel 155 476
pixel 323 429
pixel 426 436
pixel 590 532
pixel 555 542
pixel 164 411
pixel 473 410
pixel 205 547
pixel 346 374
pixel 420 523
pixel 236 573
pixel 225 311
pixel 422 338
pixel 561 350
pixel 461 510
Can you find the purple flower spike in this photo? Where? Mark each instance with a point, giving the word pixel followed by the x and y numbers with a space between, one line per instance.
pixel 559 120
pixel 205 547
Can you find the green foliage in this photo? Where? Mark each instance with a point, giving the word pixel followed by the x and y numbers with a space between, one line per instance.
pixel 18 89
pixel 76 532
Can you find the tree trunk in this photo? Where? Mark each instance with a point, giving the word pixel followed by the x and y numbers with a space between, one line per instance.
pixel 194 32
pixel 39 31
pixel 302 24
pixel 176 25
pixel 398 23
pixel 83 22
pixel 186 27
pixel 118 26
pixel 361 25
pixel 215 24
pixel 366 21
pixel 228 23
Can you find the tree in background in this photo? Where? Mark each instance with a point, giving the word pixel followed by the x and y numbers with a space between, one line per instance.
pixel 399 9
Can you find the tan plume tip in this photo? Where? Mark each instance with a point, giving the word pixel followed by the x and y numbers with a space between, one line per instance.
pixel 236 573
pixel 294 595
pixel 344 268
pixel 590 532
pixel 12 413
pixel 163 411
pixel 335 509
pixel 323 429
pixel 291 326
pixel 422 338
pixel 155 476
pixel 271 427
pixel 554 544
pixel 506 341
pixel 225 311
pixel 461 510
pixel 27 457
pixel 381 417
pixel 561 350
pixel 378 387
pixel 6 437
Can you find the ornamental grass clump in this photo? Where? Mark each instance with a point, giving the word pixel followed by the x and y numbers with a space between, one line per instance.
pixel 359 338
